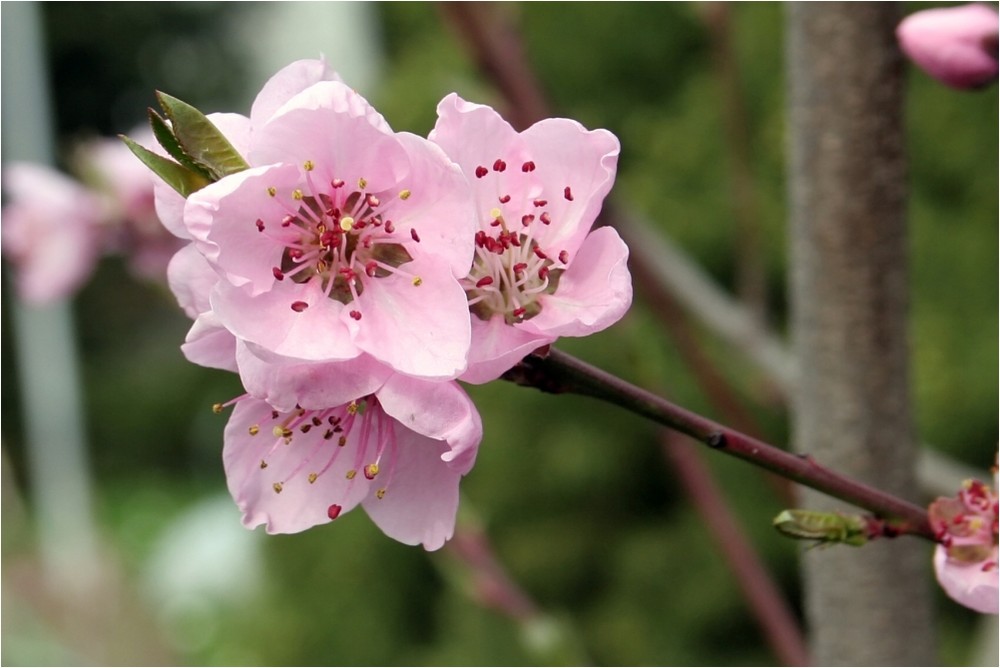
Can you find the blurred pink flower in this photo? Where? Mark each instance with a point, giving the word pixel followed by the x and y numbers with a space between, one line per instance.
pixel 52 232
pixel 955 45
pixel 343 241
pixel 965 561
pixel 539 272
pixel 399 452
pixel 133 229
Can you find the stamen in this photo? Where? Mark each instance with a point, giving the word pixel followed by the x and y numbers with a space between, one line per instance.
pixel 481 172
pixel 333 512
pixel 528 167
pixel 299 307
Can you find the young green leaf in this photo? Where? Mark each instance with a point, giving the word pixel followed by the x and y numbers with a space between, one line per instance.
pixel 200 139
pixel 165 135
pixel 178 177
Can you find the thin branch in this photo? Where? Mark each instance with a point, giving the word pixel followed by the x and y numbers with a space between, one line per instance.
pixel 559 373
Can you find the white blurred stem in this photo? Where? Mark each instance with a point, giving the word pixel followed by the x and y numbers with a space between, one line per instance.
pixel 46 352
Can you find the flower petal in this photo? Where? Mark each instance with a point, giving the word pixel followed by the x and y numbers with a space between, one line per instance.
pixel 286 84
pixel 968 584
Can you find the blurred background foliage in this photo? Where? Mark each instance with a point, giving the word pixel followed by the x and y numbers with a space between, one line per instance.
pixel 580 504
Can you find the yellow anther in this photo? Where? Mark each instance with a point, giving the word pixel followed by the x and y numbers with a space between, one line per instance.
pixel 216 408
pixel 296 194
pixel 312 477
pixel 352 408
pixel 308 165
pixel 380 492
pixel 404 194
pixel 342 441
pixel 346 223
pixel 362 183
pixel 278 487
pixel 254 429
pixel 351 474
pixel 372 470
pixel 417 281
pixel 272 191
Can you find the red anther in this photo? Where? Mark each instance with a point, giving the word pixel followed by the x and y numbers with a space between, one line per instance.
pixel 299 307
pixel 520 311
pixel 372 201
pixel 526 219
pixel 492 245
pixel 316 421
pixel 499 165
pixel 329 239
pixel 413 233
pixel 371 267
pixel 356 315
pixel 287 220
pixel 543 273
pixel 545 217
pixel 504 239
pixel 389 227
pixel 367 243
pixel 371 470
pixel 480 238
pixel 563 256
pixel 359 225
pixel 515 241
pixel 538 252
pixel 528 167
pixel 260 225
pixel 306 428
pixel 496 222
pixel 505 199
pixel 481 172
pixel 540 202
pixel 278 274
pixel 333 512
pixel 520 266
pixel 295 253
pixel 347 273
pixel 337 183
pixel 484 281
pixel 567 193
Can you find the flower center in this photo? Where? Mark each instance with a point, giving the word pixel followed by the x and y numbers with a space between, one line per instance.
pixel 338 236
pixel 321 437
pixel 511 270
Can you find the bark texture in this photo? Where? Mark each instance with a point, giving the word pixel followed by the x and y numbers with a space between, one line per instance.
pixel 849 287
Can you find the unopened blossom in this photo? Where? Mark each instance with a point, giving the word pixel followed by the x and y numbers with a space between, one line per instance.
pixel 539 272
pixel 343 240
pixel 399 452
pixel 52 231
pixel 955 45
pixel 965 561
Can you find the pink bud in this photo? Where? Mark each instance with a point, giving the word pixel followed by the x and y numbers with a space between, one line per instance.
pixel 955 45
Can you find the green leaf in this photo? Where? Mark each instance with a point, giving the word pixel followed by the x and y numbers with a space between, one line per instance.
pixel 200 139
pixel 165 135
pixel 178 177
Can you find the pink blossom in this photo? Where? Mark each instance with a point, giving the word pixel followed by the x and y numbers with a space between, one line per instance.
pixel 52 232
pixel 539 272
pixel 955 45
pixel 965 561
pixel 399 451
pixel 343 240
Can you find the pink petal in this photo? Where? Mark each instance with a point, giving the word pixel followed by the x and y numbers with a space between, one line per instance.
pixel 594 293
pixel 209 344
pixel 421 501
pixel 441 411
pixel 315 332
pixel 285 383
pixel 497 346
pixel 421 330
pixel 968 584
pixel 288 82
pixel 191 279
pixel 955 45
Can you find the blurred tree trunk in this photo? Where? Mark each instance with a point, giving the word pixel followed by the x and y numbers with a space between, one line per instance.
pixel 849 284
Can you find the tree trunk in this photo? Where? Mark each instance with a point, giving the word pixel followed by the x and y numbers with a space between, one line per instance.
pixel 849 284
